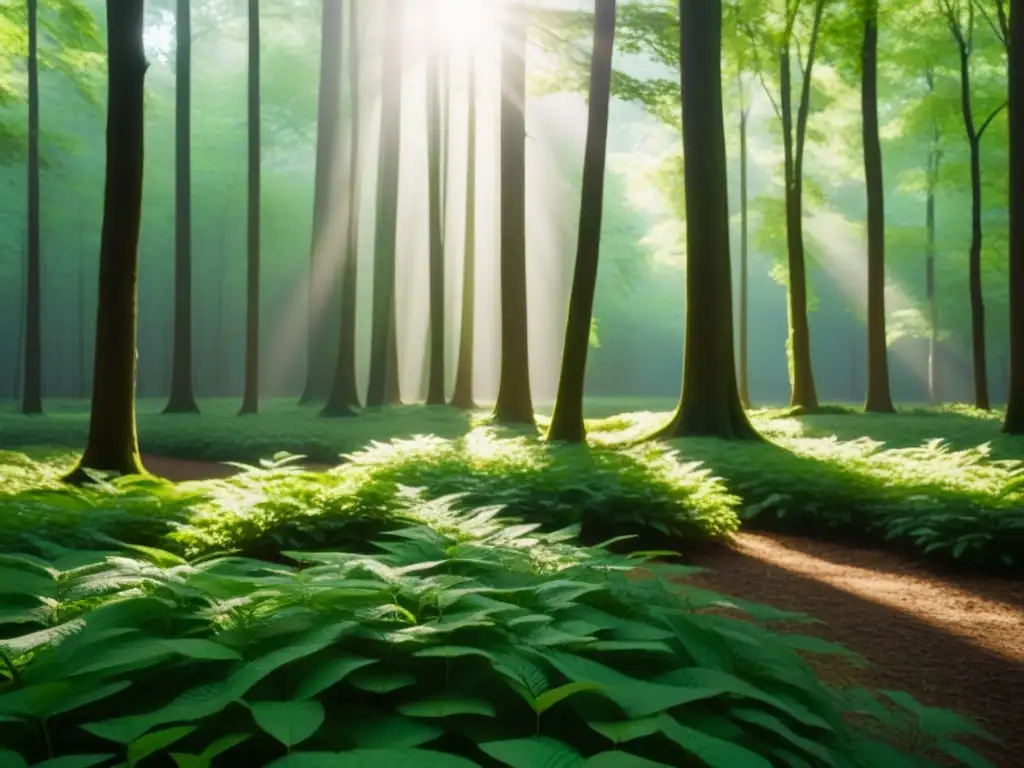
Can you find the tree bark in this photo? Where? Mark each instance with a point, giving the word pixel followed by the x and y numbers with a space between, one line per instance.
pixel 18 369
pixel 932 181
pixel 710 402
pixel 1014 422
pixel 251 388
pixel 567 418
pixel 344 394
pixel 32 375
pixel 435 386
pixel 182 399
pixel 112 444
pixel 744 357
pixel 514 404
pixel 879 396
pixel 382 351
pixel 463 393
pixel 324 276
pixel 804 393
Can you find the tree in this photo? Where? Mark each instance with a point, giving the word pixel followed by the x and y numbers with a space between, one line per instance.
pixel 323 277
pixel 112 444
pixel 931 185
pixel 710 403
pixel 435 384
pixel 32 377
pixel 1014 423
pixel 567 419
pixel 383 347
pixel 960 18
pixel 462 396
pixel 879 397
pixel 182 399
pixel 251 389
pixel 344 395
pixel 514 404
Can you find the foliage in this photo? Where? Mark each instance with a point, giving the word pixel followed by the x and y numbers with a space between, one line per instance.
pixel 489 645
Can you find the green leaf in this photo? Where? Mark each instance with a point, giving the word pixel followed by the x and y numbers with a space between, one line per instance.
pixel 621 760
pixel 380 731
pixel 290 722
pixel 327 673
pixel 152 743
pixel 9 759
pixel 627 730
pixel 375 681
pixel 204 650
pixel 535 752
pixel 548 699
pixel 372 758
pixel 71 761
pixel 770 722
pixel 712 751
pixel 453 652
pixel 447 705
pixel 205 759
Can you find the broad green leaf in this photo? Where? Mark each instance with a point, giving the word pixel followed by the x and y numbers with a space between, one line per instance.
pixel 447 705
pixel 290 722
pixel 71 761
pixel 389 731
pixel 770 722
pixel 10 759
pixel 372 758
pixel 548 699
pixel 205 759
pixel 205 650
pixel 153 742
pixel 382 681
pixel 621 760
pixel 627 730
pixel 712 751
pixel 87 694
pixel 453 652
pixel 535 752
pixel 327 673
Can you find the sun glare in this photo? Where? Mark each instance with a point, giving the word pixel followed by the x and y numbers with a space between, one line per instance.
pixel 465 24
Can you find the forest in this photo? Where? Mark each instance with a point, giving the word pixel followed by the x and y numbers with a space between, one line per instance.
pixel 453 383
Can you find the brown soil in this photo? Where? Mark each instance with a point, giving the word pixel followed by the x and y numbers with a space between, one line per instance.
pixel 955 642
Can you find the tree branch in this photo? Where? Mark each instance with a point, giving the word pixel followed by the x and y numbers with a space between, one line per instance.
pixel 989 119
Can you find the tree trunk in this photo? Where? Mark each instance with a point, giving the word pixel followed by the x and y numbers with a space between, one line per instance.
pixel 1014 423
pixel 82 384
pixel 514 404
pixel 710 403
pixel 344 394
pixel 382 351
pixel 567 419
pixel 182 399
pixel 463 394
pixel 222 355
pixel 934 160
pixel 18 369
pixel 250 395
pixel 979 355
pixel 879 397
pixel 112 444
pixel 32 375
pixel 744 361
pixel 435 386
pixel 393 386
pixel 324 277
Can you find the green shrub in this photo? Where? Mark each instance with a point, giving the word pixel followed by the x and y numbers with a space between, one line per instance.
pixel 488 644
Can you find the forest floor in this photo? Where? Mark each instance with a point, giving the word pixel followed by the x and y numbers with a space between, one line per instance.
pixel 954 641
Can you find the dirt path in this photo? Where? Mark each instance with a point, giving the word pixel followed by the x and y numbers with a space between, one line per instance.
pixel 952 641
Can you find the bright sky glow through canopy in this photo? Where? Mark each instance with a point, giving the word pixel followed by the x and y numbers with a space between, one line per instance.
pixel 466 24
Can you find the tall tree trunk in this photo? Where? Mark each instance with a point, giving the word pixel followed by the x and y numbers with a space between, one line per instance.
pixel 934 159
pixel 567 419
pixel 32 376
pixel 344 394
pixel 1014 423
pixel 514 404
pixel 324 276
pixel 18 369
pixel 879 396
pixel 710 402
pixel 182 398
pixel 744 361
pixel 112 444
pixel 436 378
pixel 250 396
pixel 382 350
pixel 979 355
pixel 393 387
pixel 463 394
pixel 804 393
pixel 223 355
pixel 82 383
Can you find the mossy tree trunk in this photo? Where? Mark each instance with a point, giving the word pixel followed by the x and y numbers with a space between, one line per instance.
pixel 344 394
pixel 324 273
pixel 514 404
pixel 463 393
pixel 932 182
pixel 1014 423
pixel 32 375
pixel 112 445
pixel 435 377
pixel 251 387
pixel 879 396
pixel 182 399
pixel 710 403
pixel 382 351
pixel 567 419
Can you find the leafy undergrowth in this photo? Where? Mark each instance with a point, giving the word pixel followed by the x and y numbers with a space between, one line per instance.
pixel 475 641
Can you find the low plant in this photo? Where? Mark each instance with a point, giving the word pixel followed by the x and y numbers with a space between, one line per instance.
pixel 476 642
